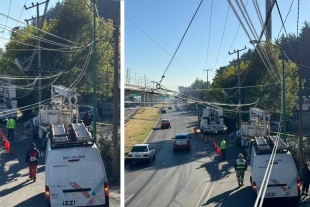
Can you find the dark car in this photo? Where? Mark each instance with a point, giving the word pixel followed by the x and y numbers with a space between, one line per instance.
pixel 275 126
pixel 165 123
pixel 84 108
pixel 163 111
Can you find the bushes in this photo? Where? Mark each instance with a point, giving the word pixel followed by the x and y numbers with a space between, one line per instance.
pixel 106 150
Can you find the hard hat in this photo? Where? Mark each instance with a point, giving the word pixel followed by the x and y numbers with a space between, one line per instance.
pixel 240 155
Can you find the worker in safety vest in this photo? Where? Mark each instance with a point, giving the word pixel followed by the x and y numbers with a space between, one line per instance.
pixel 240 167
pixel 223 148
pixel 10 125
pixel 247 147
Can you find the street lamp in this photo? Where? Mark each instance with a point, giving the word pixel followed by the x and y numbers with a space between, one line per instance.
pixel 283 89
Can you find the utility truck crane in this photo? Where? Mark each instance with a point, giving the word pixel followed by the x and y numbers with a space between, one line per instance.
pixel 212 120
pixel 8 102
pixel 63 109
pixel 258 125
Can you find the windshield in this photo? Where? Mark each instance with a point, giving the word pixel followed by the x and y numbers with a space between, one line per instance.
pixel 139 149
pixel 181 137
pixel 165 121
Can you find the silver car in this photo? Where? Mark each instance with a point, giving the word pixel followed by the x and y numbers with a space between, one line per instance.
pixel 141 153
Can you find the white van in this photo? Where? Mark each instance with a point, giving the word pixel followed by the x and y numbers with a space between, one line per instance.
pixel 74 172
pixel 284 180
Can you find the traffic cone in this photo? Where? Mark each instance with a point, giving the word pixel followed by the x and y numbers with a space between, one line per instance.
pixel 218 152
pixel 8 147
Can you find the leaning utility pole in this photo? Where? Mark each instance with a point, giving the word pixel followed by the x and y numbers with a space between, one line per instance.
pixel 39 46
pixel 239 87
pixel 94 75
pixel 301 141
pixel 116 149
pixel 207 81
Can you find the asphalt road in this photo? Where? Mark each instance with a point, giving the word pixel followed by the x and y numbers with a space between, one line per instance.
pixel 187 178
pixel 15 189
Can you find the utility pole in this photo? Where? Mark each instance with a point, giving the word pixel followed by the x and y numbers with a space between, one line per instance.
pixel 207 81
pixel 301 141
pixel 116 153
pixel 283 97
pixel 39 46
pixel 128 73
pixel 94 75
pixel 136 78
pixel 268 16
pixel 239 87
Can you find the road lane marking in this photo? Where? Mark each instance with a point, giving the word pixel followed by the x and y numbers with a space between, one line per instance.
pixel 209 193
pixel 202 194
pixel 171 169
pixel 167 158
pixel 129 197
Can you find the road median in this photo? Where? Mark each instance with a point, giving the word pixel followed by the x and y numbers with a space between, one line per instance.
pixel 139 127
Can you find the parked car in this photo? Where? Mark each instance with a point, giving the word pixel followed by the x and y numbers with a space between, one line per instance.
pixel 275 126
pixel 141 153
pixel 165 123
pixel 181 141
pixel 84 108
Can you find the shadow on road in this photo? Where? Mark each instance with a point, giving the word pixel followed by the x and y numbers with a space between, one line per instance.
pixel 235 197
pixel 33 201
pixel 16 187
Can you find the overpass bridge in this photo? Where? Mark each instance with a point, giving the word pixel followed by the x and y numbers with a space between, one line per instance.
pixel 148 95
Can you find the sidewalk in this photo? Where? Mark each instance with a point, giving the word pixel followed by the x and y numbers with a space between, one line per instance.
pixel 15 188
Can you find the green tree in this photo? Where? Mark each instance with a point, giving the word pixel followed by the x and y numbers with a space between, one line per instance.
pixel 267 83
pixel 74 22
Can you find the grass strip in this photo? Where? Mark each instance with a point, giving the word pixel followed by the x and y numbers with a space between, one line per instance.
pixel 137 129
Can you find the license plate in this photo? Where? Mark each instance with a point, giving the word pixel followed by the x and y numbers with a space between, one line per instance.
pixel 137 156
pixel 77 195
pixel 270 194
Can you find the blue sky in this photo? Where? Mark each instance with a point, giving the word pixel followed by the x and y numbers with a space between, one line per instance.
pixel 17 11
pixel 165 21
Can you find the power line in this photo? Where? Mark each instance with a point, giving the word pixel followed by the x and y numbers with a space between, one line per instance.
pixel 39 38
pixel 286 18
pixel 6 23
pixel 222 37
pixel 40 29
pixel 209 34
pixel 283 26
pixel 159 45
pixel 21 12
pixel 234 38
pixel 181 40
pixel 297 28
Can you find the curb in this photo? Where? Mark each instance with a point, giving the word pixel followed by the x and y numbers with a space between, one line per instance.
pixel 129 116
pixel 151 131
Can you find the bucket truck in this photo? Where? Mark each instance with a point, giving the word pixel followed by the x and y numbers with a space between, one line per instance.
pixel 8 102
pixel 258 125
pixel 62 109
pixel 212 120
